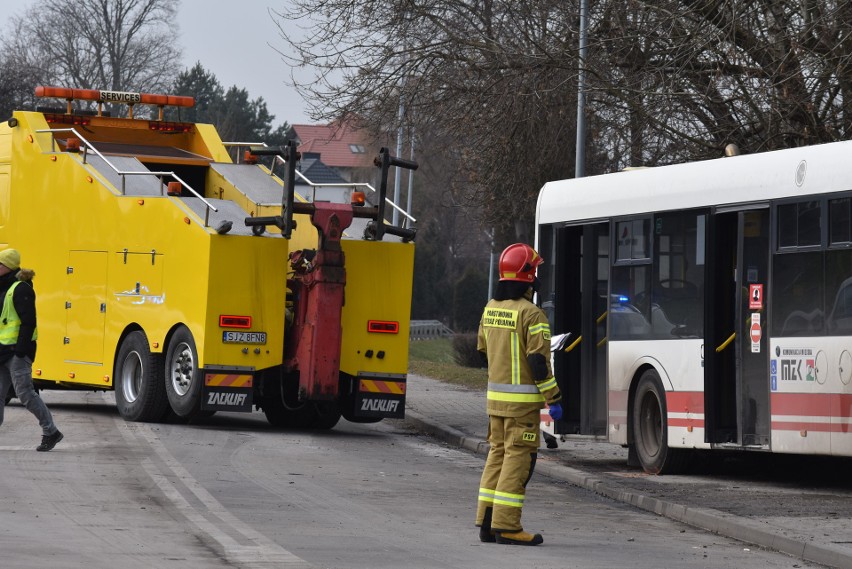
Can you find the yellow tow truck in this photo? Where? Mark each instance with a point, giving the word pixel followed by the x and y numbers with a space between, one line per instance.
pixel 189 283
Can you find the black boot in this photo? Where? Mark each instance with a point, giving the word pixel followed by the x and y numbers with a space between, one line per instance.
pixel 550 440
pixel 49 441
pixel 485 533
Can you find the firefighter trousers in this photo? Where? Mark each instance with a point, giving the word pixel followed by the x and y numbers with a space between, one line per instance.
pixel 509 466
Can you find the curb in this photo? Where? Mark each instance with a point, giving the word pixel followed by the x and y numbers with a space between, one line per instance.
pixel 707 519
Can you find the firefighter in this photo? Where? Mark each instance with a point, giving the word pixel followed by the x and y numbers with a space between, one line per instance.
pixel 514 335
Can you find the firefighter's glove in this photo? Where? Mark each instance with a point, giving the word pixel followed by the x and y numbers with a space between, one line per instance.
pixel 555 411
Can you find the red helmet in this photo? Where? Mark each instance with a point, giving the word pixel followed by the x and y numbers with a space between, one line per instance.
pixel 518 262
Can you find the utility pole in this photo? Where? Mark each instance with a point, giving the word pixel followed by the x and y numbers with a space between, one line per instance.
pixel 491 267
pixel 397 177
pixel 410 178
pixel 580 157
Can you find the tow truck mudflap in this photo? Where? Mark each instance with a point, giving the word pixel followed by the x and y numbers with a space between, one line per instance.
pixel 379 396
pixel 227 390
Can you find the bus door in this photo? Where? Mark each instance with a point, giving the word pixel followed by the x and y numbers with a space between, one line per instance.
pixel 581 292
pixel 736 358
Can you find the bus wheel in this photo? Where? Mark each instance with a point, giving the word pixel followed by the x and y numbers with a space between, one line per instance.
pixel 183 379
pixel 650 429
pixel 139 391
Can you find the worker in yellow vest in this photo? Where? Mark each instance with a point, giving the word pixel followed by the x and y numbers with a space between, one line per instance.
pixel 18 334
pixel 514 334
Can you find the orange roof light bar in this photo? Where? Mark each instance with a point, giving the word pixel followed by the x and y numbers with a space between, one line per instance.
pixel 103 96
pixel 179 101
pixel 154 99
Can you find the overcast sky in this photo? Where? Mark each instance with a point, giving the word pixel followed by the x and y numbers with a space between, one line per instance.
pixel 230 39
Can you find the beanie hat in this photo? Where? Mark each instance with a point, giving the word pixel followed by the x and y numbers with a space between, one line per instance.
pixel 10 258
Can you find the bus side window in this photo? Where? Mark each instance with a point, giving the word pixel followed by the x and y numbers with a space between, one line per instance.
pixel 799 280
pixel 678 275
pixel 838 291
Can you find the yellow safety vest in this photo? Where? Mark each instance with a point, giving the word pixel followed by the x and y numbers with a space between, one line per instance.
pixel 10 322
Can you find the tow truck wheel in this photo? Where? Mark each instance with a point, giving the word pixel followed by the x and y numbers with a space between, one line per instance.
pixel 349 416
pixel 139 391
pixel 650 427
pixel 183 379
pixel 284 410
pixel 326 415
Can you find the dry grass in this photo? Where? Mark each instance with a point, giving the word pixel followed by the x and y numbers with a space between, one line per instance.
pixel 434 358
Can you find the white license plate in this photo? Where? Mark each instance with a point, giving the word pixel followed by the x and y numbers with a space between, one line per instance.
pixel 244 337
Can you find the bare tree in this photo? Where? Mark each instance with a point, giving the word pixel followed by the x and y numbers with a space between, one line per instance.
pixel 99 44
pixel 492 76
pixel 16 85
pixel 677 80
pixel 669 81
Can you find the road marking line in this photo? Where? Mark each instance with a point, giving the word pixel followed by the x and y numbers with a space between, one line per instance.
pixel 263 553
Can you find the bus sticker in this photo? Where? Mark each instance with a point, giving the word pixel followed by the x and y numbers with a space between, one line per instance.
pixel 755 297
pixel 797 364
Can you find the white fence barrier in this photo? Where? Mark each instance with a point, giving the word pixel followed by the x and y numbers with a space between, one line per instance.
pixel 428 330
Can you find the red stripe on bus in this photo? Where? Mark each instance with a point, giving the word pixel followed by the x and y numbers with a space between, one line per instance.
pixel 676 401
pixel 812 404
pixel 802 404
pixel 617 399
pixel 681 422
pixel 685 402
pixel 807 426
pixel 828 405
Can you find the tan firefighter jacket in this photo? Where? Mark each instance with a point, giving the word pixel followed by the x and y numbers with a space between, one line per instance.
pixel 511 330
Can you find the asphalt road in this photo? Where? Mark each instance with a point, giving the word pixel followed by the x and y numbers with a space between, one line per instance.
pixel 797 504
pixel 232 492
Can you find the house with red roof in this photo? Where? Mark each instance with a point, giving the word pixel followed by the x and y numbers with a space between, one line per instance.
pixel 340 145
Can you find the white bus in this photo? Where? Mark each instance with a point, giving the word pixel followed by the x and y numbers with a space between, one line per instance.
pixel 710 304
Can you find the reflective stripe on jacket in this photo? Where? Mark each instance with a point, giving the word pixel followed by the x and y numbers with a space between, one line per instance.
pixel 509 332
pixel 10 322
